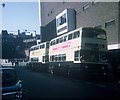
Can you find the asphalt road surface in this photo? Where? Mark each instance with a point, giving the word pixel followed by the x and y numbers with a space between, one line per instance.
pixel 43 85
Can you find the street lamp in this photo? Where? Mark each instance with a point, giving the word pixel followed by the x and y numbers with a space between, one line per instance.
pixel 3 4
pixel 1 14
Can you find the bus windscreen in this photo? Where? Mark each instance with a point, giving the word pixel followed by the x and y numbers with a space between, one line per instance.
pixel 94 33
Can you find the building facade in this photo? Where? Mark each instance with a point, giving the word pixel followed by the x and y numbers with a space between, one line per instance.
pixel 12 46
pixel 105 15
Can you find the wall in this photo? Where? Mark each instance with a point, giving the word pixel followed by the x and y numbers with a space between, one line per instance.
pixel 87 14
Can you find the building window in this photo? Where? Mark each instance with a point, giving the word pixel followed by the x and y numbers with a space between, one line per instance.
pixel 98 26
pixel 109 23
pixel 86 7
pixel 61 20
pixel 95 1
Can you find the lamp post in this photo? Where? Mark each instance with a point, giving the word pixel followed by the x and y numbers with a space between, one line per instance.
pixel 3 5
pixel 1 61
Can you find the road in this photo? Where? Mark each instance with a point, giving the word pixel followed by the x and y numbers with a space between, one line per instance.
pixel 42 85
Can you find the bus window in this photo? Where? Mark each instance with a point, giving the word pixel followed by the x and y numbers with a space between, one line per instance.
pixel 63 57
pixel 76 34
pixel 97 33
pixel 77 56
pixel 59 57
pixel 52 42
pixel 36 48
pixel 85 56
pixel 52 58
pixel 61 39
pixel 65 38
pixel 57 41
pixel 89 56
pixel 55 58
pixel 35 59
pixel 42 46
pixel 69 36
pixel 43 58
pixel 101 36
pixel 87 34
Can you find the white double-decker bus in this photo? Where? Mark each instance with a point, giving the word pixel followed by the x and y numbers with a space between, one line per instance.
pixel 38 58
pixel 81 52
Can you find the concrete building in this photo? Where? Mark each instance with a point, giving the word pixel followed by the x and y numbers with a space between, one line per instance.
pixel 105 15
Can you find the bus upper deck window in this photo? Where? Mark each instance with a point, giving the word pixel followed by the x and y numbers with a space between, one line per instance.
pixel 101 36
pixel 57 41
pixel 65 38
pixel 69 36
pixel 76 34
pixel 61 39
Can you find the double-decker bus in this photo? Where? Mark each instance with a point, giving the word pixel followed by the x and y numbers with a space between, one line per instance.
pixel 38 58
pixel 81 53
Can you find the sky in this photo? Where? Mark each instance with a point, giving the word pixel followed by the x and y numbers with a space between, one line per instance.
pixel 20 15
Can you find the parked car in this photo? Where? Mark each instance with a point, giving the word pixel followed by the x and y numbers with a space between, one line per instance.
pixel 11 84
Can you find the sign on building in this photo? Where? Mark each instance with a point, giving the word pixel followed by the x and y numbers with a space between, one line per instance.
pixel 65 21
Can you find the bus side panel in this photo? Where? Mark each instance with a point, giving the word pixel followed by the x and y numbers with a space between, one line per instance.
pixel 79 70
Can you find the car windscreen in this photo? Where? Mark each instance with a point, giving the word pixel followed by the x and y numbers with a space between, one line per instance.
pixel 9 77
